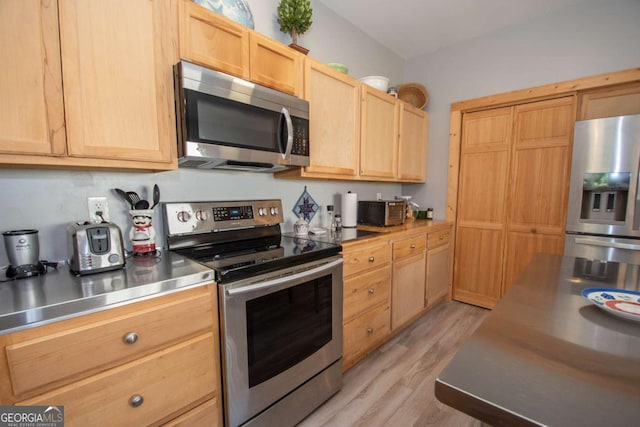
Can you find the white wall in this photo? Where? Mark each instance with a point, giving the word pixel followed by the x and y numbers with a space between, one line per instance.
pixel 580 41
pixel 49 200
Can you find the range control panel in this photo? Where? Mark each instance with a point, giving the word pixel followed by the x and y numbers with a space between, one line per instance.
pixel 199 217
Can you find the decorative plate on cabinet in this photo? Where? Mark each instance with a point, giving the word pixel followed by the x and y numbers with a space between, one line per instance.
pixel 236 10
pixel 619 302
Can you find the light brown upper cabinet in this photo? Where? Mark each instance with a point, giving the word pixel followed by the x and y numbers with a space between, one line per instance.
pixel 619 100
pixel 412 153
pixel 334 124
pixel 31 102
pixel 114 59
pixel 212 40
pixel 512 199
pixel 379 134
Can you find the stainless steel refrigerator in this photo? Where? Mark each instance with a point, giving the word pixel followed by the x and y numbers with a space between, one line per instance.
pixel 603 218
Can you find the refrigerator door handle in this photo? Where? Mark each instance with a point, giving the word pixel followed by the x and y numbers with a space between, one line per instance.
pixel 594 242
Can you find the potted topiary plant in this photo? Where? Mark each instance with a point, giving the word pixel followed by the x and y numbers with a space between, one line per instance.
pixel 294 17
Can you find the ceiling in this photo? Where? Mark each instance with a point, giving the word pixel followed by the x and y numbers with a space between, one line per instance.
pixel 413 28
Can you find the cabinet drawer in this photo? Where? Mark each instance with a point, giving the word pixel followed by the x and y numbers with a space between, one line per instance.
pixel 205 415
pixel 167 381
pixel 364 291
pixel 365 259
pixel 67 354
pixel 409 246
pixel 438 238
pixel 364 333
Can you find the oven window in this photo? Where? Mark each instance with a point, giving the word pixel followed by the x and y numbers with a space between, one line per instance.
pixel 211 119
pixel 286 327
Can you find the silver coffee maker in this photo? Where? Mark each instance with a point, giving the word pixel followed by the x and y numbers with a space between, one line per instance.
pixel 23 251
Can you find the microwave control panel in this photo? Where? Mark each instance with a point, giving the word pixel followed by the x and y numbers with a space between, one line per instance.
pixel 300 136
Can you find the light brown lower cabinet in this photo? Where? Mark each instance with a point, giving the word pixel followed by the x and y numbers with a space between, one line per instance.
pixel 408 284
pixel 388 283
pixel 366 284
pixel 438 267
pixel 145 363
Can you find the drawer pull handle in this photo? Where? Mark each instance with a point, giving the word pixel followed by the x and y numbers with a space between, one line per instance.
pixel 371 259
pixel 371 291
pixel 369 331
pixel 136 400
pixel 413 246
pixel 130 338
pixel 441 237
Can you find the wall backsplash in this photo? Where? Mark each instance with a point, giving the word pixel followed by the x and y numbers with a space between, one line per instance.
pixel 50 200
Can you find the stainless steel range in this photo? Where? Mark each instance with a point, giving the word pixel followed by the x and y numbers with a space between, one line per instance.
pixel 280 301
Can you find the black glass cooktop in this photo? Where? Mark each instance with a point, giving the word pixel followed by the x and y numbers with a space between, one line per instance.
pixel 240 259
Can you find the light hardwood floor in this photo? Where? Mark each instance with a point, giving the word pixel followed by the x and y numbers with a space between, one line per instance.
pixel 393 386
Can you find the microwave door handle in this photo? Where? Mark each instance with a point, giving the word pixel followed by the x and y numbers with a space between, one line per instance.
pixel 593 242
pixel 287 117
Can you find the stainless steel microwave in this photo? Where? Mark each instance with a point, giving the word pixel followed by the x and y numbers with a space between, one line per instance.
pixel 225 122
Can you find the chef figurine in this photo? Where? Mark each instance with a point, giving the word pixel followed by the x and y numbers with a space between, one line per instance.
pixel 142 234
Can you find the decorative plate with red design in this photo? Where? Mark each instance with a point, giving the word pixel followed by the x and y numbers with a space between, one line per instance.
pixel 619 302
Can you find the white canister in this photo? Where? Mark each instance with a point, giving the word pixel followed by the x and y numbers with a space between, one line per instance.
pixel 349 209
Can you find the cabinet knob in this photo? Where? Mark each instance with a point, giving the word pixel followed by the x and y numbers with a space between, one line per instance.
pixel 136 400
pixel 369 331
pixel 371 290
pixel 413 246
pixel 371 259
pixel 130 338
pixel 441 237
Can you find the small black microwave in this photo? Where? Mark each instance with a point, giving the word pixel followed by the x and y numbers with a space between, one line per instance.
pixel 382 213
pixel 225 122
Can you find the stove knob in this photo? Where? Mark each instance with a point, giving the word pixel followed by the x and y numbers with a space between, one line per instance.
pixel 202 215
pixel 262 211
pixel 184 216
pixel 274 211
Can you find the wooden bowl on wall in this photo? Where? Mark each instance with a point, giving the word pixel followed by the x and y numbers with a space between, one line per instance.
pixel 414 94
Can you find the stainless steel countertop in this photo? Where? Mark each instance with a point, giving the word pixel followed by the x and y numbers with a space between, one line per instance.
pixel 546 356
pixel 59 294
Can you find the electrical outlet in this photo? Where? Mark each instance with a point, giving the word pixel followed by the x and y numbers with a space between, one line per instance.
pixel 378 196
pixel 98 209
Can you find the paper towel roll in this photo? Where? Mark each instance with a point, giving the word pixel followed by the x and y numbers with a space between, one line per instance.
pixel 349 209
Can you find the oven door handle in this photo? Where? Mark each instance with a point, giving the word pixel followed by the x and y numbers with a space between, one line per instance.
pixel 279 280
pixel 593 242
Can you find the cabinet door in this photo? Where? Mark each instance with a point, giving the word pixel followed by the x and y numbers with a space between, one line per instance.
pixel 438 269
pixel 31 105
pixel 211 40
pixel 334 110
pixel 541 164
pixel 407 290
pixel 481 222
pixel 275 65
pixel 379 139
pixel 118 83
pixel 412 157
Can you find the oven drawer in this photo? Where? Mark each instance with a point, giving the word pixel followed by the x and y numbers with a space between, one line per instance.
pixel 409 246
pixel 88 347
pixel 364 333
pixel 364 291
pixel 110 395
pixel 366 258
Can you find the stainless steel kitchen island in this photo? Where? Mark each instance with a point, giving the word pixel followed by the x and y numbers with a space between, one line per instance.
pixel 547 356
